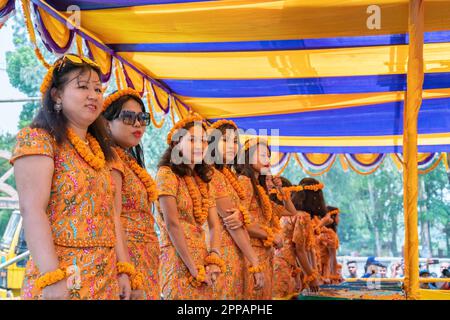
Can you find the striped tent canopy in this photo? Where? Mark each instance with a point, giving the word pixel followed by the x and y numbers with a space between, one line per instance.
pixel 329 75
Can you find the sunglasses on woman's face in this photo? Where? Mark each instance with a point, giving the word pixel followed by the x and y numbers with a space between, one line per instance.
pixel 129 117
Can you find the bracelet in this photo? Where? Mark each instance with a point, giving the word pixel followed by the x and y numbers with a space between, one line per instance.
pixel 256 269
pixel 269 241
pixel 50 278
pixel 214 258
pixel 127 268
pixel 200 278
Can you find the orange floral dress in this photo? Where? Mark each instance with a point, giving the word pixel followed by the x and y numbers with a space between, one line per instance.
pixel 80 213
pixel 288 275
pixel 328 239
pixel 265 254
pixel 231 284
pixel 173 273
pixel 317 247
pixel 139 226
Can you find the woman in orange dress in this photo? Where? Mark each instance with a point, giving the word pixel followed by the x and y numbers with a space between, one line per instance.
pixel 293 271
pixel 230 199
pixel 185 200
pixel 312 201
pixel 264 228
pixel 62 170
pixel 127 121
pixel 328 244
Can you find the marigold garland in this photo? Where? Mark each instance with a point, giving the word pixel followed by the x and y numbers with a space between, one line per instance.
pixel 232 179
pixel 199 195
pixel 200 278
pixel 137 281
pixel 94 155
pixel 314 187
pixel 213 258
pixel 268 242
pixel 219 123
pixel 267 205
pixel 50 278
pixel 47 81
pixel 141 173
pixel 180 124
pixel 256 269
pixel 245 215
pixel 119 94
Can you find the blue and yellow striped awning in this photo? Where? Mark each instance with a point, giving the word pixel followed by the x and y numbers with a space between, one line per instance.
pixel 314 70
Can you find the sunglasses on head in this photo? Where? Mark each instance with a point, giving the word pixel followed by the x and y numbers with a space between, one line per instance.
pixel 77 60
pixel 129 117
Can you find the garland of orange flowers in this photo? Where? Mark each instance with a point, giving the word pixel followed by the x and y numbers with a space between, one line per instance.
pixel 276 224
pixel 267 206
pixel 295 271
pixel 270 238
pixel 213 258
pixel 94 155
pixel 256 269
pixel 314 187
pixel 180 124
pixel 219 123
pixel 245 215
pixel 141 173
pixel 199 195
pixel 200 278
pixel 231 177
pixel 50 278
pixel 119 94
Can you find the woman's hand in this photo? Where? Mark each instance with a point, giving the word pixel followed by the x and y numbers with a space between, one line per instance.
pixel 277 182
pixel 233 221
pixel 56 291
pixel 124 286
pixel 278 241
pixel 314 286
pixel 212 273
pixel 327 220
pixel 258 277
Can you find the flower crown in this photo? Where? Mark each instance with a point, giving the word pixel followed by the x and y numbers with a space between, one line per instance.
pixel 180 124
pixel 313 187
pixel 119 94
pixel 334 212
pixel 219 123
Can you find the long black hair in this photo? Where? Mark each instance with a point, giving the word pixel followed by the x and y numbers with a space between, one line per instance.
pixel 334 225
pixel 310 201
pixel 203 170
pixel 245 168
pixel 55 123
pixel 113 111
pixel 213 144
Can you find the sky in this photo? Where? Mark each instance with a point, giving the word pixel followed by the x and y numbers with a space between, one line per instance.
pixel 9 112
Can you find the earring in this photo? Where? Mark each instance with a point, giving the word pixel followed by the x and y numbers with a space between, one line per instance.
pixel 58 107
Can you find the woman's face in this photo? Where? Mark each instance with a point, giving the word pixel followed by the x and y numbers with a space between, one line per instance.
pixel 261 159
pixel 269 182
pixel 228 146
pixel 193 144
pixel 81 98
pixel 126 135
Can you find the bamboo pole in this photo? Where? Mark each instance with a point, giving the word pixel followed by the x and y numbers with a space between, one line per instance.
pixel 410 174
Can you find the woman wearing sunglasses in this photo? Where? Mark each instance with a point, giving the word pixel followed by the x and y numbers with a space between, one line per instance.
pixel 127 121
pixel 63 176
